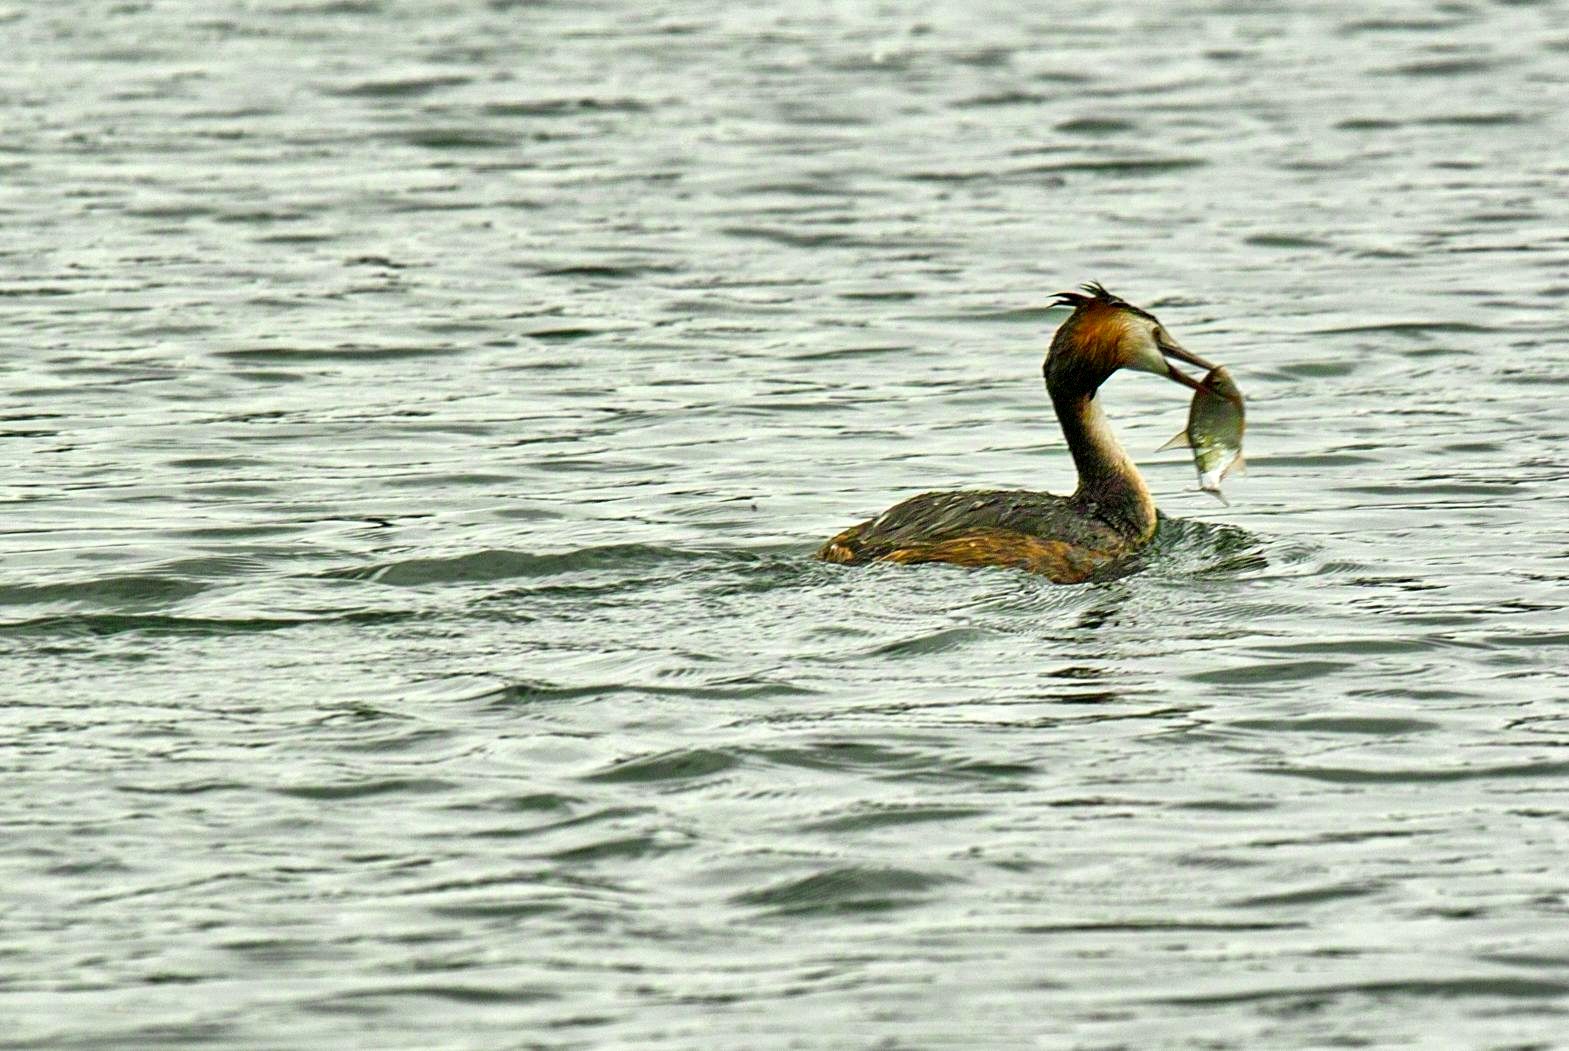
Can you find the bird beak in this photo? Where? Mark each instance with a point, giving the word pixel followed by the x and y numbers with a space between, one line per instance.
pixel 1172 349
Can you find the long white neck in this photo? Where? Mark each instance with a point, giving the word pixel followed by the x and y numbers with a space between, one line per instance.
pixel 1107 476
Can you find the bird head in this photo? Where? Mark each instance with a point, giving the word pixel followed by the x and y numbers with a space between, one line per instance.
pixel 1106 333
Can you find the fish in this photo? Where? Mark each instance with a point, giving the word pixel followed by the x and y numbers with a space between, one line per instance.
pixel 1214 432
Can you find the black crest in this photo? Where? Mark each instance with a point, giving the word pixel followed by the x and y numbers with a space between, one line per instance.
pixel 1094 292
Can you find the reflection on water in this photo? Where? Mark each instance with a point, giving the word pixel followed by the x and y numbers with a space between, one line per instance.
pixel 420 419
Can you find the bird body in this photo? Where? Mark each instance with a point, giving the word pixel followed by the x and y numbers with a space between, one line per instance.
pixel 1055 536
pixel 1067 539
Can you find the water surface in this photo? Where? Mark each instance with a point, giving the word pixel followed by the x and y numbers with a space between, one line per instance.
pixel 420 417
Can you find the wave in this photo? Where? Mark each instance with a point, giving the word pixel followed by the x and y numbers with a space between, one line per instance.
pixel 507 564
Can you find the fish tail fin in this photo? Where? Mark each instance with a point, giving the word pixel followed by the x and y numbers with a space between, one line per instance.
pixel 1178 440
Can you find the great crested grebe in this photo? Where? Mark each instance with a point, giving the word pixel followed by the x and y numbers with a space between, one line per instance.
pixel 1066 538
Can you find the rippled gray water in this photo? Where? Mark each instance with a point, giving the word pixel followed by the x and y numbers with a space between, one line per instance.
pixel 419 417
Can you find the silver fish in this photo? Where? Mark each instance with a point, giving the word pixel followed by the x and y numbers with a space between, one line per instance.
pixel 1214 431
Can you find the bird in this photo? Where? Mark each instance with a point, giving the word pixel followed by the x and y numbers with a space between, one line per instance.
pixel 1067 539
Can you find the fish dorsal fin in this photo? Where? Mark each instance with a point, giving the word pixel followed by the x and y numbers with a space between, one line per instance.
pixel 1180 439
pixel 1237 466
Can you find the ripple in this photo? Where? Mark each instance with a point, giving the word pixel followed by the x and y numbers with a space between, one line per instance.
pixel 448 137
pixel 465 995
pixel 347 352
pixel 1489 987
pixel 1501 118
pixel 128 590
pixel 111 624
pixel 1406 328
pixel 1396 775
pixel 1096 126
pixel 1001 98
pixel 1286 241
pixel 566 107
pixel 617 849
pixel 1271 671
pixel 682 765
pixel 1371 726
pixel 400 88
pixel 501 564
pixel 839 890
pixel 497 910
pixel 932 642
pixel 1450 67
pixel 1331 892
pixel 877 758
pixel 890 818
pixel 397 786
pixel 1115 167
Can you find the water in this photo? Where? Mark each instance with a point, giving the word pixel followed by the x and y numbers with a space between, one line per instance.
pixel 420 416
